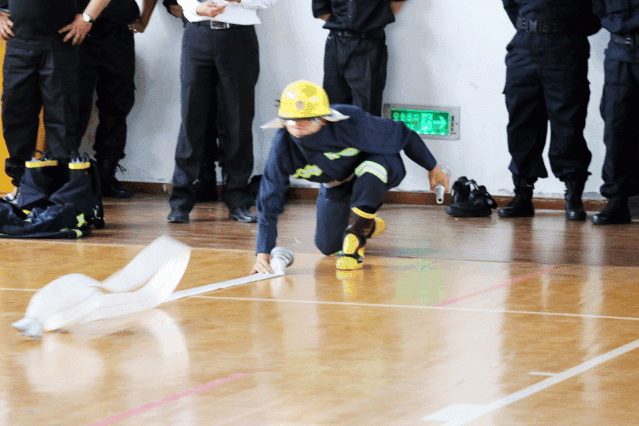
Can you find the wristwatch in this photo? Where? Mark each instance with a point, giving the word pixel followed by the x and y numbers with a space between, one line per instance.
pixel 87 18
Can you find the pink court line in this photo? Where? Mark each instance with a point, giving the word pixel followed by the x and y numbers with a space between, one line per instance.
pixel 510 282
pixel 166 400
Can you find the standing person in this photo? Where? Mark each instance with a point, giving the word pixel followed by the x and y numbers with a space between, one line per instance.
pixel 206 187
pixel 353 154
pixel 620 109
pixel 547 81
pixel 355 55
pixel 107 67
pixel 219 46
pixel 41 72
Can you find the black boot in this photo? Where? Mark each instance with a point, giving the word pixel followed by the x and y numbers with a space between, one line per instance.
pixel 574 206
pixel 460 191
pixel 615 212
pixel 521 205
pixel 110 186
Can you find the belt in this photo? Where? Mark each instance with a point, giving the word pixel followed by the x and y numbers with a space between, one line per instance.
pixel 376 34
pixel 216 25
pixel 627 40
pixel 532 26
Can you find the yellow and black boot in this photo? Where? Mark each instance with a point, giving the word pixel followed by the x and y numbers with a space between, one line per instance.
pixel 82 190
pixel 366 225
pixel 43 175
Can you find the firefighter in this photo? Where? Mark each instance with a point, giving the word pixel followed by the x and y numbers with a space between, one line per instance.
pixel 352 154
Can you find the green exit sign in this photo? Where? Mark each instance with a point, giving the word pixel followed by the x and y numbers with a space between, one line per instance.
pixel 424 122
pixel 427 121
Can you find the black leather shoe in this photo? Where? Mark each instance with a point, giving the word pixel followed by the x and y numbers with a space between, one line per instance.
pixel 112 188
pixel 178 216
pixel 616 212
pixel 242 214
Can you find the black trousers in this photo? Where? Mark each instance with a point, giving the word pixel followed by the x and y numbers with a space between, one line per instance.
pixel 620 111
pixel 208 173
pixel 35 80
pixel 550 86
pixel 219 68
pixel 107 68
pixel 355 71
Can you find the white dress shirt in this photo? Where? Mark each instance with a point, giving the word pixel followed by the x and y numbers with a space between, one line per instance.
pixel 244 13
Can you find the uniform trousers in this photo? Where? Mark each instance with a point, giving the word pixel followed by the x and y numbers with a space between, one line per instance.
pixel 549 86
pixel 107 68
pixel 35 80
pixel 219 68
pixel 620 111
pixel 355 70
pixel 365 192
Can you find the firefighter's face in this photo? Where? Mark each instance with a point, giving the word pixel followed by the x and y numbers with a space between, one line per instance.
pixel 304 126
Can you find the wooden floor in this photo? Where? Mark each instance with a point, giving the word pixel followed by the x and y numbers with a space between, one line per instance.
pixel 482 321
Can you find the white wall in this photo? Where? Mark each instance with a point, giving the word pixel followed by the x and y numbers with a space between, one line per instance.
pixel 447 53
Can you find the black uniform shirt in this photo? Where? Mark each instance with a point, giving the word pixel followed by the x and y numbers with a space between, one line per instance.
pixel 360 16
pixel 117 11
pixel 621 18
pixel 36 22
pixel 575 20
pixel 618 17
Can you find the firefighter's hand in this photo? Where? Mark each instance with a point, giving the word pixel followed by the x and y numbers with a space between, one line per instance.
pixel 438 176
pixel 262 264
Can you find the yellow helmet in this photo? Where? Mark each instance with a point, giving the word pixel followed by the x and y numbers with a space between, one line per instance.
pixel 303 99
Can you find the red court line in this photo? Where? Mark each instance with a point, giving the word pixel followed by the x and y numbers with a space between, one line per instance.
pixel 505 284
pixel 168 399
